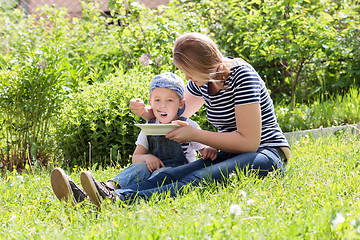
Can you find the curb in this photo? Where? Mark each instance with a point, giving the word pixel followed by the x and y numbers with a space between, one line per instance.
pixel 349 129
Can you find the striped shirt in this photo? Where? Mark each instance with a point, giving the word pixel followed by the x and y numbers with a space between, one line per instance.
pixel 244 86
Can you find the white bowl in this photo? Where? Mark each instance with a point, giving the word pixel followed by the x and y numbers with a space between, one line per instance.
pixel 157 129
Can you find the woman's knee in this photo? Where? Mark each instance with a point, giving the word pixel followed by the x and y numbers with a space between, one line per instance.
pixel 265 162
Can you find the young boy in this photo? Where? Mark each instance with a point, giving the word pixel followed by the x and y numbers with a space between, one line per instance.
pixel 153 154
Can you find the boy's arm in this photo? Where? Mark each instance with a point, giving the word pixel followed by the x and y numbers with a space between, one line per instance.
pixel 138 107
pixel 206 152
pixel 141 155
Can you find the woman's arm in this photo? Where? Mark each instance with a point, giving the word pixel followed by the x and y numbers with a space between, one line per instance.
pixel 193 104
pixel 246 139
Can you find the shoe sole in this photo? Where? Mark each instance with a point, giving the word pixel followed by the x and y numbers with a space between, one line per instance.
pixel 61 186
pixel 89 187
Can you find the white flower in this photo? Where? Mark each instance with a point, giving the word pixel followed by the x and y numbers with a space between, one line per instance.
pixel 235 209
pixel 13 217
pixel 250 202
pixel 20 178
pixel 353 223
pixel 339 218
pixel 242 194
pixel 232 175
pixel 284 110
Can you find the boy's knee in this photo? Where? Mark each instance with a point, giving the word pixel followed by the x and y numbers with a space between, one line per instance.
pixel 139 164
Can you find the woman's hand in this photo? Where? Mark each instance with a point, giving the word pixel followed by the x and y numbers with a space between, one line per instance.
pixel 184 133
pixel 208 153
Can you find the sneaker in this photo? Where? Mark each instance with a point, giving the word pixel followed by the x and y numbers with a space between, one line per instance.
pixel 65 188
pixel 97 191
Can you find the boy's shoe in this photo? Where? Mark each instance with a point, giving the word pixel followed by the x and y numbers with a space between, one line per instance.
pixel 97 191
pixel 65 188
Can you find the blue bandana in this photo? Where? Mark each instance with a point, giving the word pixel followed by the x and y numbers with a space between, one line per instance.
pixel 170 81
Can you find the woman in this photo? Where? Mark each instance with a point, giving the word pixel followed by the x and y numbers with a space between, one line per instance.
pixel 238 105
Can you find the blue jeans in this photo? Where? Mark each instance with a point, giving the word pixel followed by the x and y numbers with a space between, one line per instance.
pixel 135 173
pixel 168 151
pixel 175 180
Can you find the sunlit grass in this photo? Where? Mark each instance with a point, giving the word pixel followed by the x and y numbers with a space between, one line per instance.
pixel 317 199
pixel 337 111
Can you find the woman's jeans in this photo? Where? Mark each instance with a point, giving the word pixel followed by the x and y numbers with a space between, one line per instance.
pixel 175 180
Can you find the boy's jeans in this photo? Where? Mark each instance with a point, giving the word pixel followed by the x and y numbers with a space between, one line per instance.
pixel 135 173
pixel 168 151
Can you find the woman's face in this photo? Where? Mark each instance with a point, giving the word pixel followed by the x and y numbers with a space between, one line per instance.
pixel 197 78
pixel 165 104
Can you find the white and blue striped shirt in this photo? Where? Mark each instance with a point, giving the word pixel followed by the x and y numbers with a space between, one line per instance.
pixel 244 86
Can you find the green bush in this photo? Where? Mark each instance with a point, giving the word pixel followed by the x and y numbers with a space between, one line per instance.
pixel 33 83
pixel 98 120
pixel 8 5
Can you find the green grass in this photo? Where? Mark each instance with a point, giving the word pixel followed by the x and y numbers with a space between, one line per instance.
pixel 335 111
pixel 322 180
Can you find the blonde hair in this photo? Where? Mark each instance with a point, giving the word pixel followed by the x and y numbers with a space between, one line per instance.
pixel 197 52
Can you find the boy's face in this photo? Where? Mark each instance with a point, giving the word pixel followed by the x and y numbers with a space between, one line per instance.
pixel 165 104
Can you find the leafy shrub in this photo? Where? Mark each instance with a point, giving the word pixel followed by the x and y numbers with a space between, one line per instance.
pixel 98 121
pixel 98 117
pixel 8 5
pixel 32 83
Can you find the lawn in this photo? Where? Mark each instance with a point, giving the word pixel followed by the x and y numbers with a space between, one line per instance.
pixel 317 199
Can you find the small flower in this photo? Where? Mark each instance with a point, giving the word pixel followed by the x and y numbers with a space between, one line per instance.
pixel 339 218
pixel 145 59
pixel 284 110
pixel 42 64
pixel 20 178
pixel 353 223
pixel 13 217
pixel 158 61
pixel 235 209
pixel 242 194
pixel 250 202
pixel 232 175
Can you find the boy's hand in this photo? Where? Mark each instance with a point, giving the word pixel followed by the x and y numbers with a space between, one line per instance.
pixel 208 153
pixel 153 163
pixel 137 107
